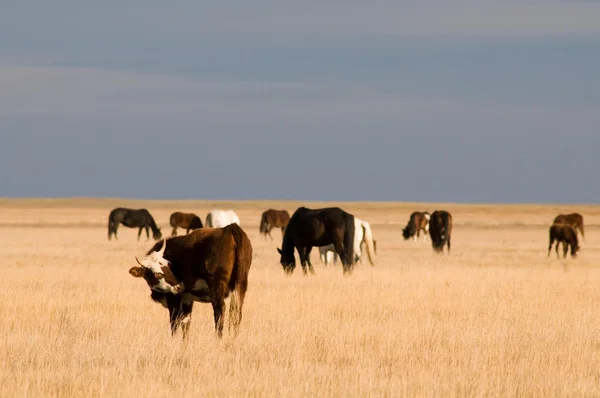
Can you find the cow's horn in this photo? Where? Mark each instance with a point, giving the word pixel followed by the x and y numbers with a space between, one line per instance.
pixel 138 261
pixel 162 249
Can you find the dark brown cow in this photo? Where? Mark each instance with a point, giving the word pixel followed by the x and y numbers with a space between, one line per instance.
pixel 573 219
pixel 273 219
pixel 567 235
pixel 189 221
pixel 210 263
pixel 440 230
pixel 419 220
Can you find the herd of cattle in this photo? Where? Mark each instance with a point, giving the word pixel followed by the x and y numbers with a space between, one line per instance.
pixel 212 260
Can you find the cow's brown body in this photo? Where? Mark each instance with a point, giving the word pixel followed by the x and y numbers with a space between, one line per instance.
pixel 211 263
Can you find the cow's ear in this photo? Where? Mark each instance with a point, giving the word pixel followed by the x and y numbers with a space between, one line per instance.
pixel 279 250
pixel 137 272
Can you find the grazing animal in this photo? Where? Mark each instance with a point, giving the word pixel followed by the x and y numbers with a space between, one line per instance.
pixel 362 237
pixel 317 227
pixel 140 218
pixel 440 230
pixel 221 218
pixel 189 221
pixel 567 235
pixel 574 219
pixel 273 219
pixel 419 220
pixel 211 263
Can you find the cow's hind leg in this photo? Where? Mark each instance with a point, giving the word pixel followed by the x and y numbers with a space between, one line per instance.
pixel 235 306
pixel 218 303
pixel 174 231
pixel 140 232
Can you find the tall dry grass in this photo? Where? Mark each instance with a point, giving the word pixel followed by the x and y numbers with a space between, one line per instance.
pixel 496 317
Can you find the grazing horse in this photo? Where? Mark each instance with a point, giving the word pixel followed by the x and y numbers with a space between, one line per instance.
pixel 362 237
pixel 317 227
pixel 273 219
pixel 419 220
pixel 211 263
pixel 574 219
pixel 221 218
pixel 189 221
pixel 440 229
pixel 567 235
pixel 131 218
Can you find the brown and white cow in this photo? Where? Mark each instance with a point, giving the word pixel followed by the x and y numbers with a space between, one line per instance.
pixel 205 265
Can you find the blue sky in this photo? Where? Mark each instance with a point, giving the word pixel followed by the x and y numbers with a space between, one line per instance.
pixel 466 101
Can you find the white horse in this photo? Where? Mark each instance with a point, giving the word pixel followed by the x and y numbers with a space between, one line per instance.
pixel 221 218
pixel 362 237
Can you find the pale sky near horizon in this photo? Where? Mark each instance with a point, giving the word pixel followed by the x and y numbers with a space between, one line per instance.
pixel 438 101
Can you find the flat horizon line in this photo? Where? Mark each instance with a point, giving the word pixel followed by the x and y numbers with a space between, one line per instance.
pixel 8 199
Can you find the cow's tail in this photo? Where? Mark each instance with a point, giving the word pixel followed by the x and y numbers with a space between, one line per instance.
pixel 349 241
pixel 238 284
pixel 368 237
pixel 242 252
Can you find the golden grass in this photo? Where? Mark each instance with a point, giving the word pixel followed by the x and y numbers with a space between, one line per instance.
pixel 496 317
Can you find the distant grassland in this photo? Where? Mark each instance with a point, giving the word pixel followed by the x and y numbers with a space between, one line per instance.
pixel 496 317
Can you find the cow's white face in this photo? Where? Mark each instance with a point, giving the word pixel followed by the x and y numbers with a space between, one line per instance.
pixel 153 268
pixel 155 260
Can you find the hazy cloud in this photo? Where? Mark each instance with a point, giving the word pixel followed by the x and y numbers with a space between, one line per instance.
pixel 395 100
pixel 84 92
pixel 311 19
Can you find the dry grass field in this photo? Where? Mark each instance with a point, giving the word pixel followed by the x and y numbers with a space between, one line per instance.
pixel 495 318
